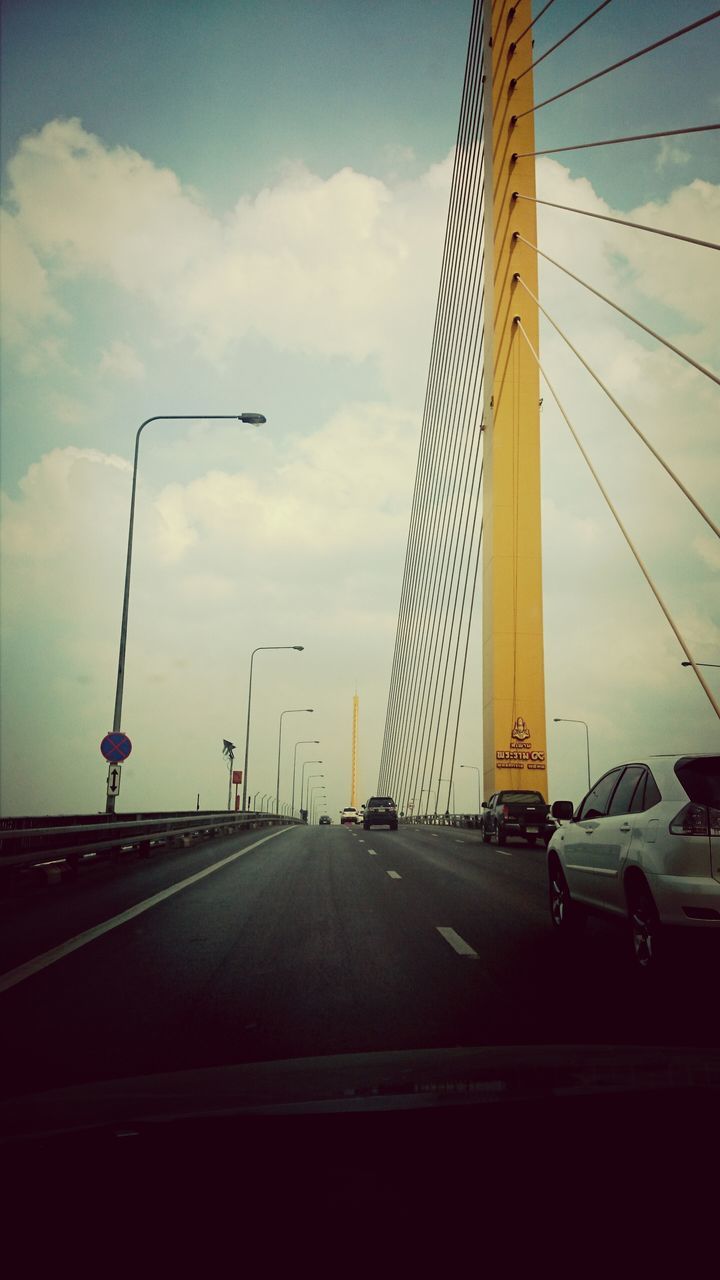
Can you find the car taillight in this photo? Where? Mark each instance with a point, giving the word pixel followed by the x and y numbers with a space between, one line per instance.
pixel 694 820
pixel 506 811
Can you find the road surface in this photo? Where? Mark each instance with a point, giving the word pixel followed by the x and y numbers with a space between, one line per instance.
pixel 311 941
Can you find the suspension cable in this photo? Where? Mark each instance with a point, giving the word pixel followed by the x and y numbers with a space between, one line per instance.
pixel 537 18
pixel 628 316
pixel 623 222
pixel 710 17
pixel 611 142
pixel 557 44
pixel 620 409
pixel 683 644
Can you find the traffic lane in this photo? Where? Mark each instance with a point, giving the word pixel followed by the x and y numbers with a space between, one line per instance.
pixel 35 921
pixel 306 950
pixel 587 993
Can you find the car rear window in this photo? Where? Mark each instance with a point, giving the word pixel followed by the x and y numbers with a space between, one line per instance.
pixel 532 797
pixel 380 800
pixel 700 776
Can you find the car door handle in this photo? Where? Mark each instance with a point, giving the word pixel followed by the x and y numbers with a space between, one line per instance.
pixel 589 830
pixel 626 827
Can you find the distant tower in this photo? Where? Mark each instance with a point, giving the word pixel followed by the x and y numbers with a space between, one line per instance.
pixel 353 775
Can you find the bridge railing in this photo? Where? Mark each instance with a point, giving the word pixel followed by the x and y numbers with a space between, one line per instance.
pixel 28 842
pixel 472 820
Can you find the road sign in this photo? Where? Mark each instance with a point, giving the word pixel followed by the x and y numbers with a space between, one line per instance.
pixel 116 747
pixel 237 776
pixel 113 779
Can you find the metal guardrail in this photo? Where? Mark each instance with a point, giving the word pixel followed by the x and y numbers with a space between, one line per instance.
pixel 23 843
pixel 472 820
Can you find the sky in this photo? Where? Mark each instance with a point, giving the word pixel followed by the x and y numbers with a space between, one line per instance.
pixel 240 206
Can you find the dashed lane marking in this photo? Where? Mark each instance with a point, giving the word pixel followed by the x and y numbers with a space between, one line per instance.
pixel 458 944
pixel 373 852
pixel 43 961
pixel 394 875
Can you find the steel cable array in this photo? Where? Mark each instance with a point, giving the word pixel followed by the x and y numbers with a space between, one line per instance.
pixel 436 603
pixel 440 576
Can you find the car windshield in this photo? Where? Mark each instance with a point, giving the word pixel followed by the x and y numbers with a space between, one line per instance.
pixel 290 511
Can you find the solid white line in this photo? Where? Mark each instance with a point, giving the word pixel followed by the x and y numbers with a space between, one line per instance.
pixel 458 944
pixel 394 875
pixel 43 961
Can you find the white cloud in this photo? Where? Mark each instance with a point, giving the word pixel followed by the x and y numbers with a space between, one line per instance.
pixel 122 361
pixel 313 265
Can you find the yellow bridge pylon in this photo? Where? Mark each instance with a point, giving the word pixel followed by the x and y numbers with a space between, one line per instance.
pixel 514 734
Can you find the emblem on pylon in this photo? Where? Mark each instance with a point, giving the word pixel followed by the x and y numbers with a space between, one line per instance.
pixel 520 730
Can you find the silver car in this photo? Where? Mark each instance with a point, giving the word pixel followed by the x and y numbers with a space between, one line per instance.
pixel 644 844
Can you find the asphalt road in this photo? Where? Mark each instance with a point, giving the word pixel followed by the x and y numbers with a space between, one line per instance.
pixel 316 940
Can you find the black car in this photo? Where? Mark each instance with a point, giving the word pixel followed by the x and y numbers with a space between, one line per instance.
pixel 380 811
pixel 325 819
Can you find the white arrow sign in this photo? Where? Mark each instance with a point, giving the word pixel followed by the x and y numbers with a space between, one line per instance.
pixel 113 779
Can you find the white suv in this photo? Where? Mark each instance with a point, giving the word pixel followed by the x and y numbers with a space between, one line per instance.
pixel 643 844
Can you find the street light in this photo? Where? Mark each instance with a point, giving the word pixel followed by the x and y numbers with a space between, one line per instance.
pixel 474 766
pixel 253 419
pixel 700 664
pixel 260 649
pixel 292 711
pixel 310 779
pixel 426 791
pixel 563 720
pixel 304 742
pixel 257 793
pixel 452 786
pixel 321 797
pixel 302 778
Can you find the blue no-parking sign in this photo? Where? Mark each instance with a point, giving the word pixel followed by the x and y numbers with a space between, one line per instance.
pixel 116 747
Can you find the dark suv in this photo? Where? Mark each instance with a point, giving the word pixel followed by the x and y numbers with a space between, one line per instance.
pixel 380 811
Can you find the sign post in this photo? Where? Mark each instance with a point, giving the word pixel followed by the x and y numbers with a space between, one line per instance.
pixel 115 748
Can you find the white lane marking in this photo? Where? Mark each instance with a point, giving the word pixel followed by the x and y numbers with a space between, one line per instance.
pixel 373 852
pixel 394 875
pixel 458 944
pixel 505 853
pixel 361 841
pixel 14 976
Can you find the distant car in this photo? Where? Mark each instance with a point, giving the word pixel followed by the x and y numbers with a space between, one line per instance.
pixel 380 811
pixel 325 820
pixel 643 845
pixel 349 816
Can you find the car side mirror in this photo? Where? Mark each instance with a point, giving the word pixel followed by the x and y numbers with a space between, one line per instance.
pixel 484 804
pixel 563 810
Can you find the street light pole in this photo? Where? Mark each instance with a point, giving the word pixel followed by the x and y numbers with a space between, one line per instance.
pixel 310 779
pixel 290 712
pixel 302 778
pixel 564 720
pixel 320 794
pixel 260 649
pixel 474 766
pixel 303 742
pixel 451 787
pixel 255 419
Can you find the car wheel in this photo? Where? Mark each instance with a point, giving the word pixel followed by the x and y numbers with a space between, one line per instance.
pixel 366 826
pixel 486 835
pixel 394 826
pixel 646 933
pixel 566 916
pixel 532 841
pixel 502 838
